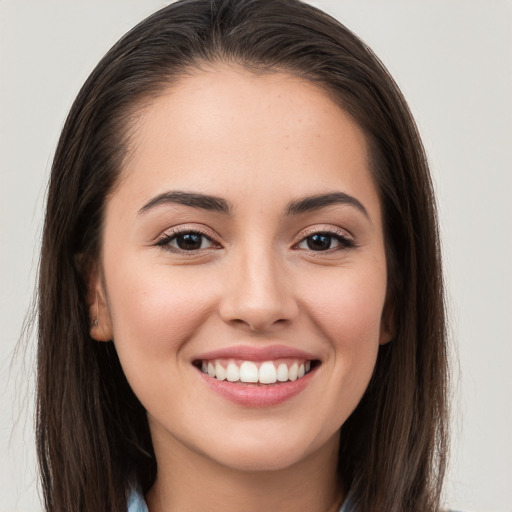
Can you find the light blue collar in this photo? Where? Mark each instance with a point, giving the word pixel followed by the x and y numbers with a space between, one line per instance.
pixel 136 502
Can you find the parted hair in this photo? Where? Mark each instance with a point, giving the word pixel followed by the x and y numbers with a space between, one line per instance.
pixel 93 438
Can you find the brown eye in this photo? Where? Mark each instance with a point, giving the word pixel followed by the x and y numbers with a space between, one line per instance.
pixel 325 241
pixel 185 241
pixel 319 242
pixel 189 241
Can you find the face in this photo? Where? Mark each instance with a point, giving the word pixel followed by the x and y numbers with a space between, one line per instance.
pixel 243 268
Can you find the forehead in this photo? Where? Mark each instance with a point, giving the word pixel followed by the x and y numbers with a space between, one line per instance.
pixel 224 127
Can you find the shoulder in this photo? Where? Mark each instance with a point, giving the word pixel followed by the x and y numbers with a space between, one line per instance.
pixel 136 502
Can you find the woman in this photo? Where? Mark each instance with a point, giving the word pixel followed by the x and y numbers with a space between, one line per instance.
pixel 241 300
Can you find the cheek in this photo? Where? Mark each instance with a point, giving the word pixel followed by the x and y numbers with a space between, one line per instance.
pixel 355 318
pixel 153 310
pixel 347 302
pixel 347 309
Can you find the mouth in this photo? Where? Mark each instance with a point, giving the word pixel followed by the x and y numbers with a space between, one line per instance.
pixel 256 373
pixel 263 376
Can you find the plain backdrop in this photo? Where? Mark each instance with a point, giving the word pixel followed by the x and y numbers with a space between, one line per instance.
pixel 453 61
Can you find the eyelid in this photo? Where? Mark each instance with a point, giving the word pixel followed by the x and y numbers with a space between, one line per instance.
pixel 184 228
pixel 345 239
pixel 325 228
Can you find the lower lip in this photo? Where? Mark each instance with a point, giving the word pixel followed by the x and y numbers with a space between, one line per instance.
pixel 257 396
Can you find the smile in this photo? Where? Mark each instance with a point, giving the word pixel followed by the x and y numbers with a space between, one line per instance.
pixel 257 376
pixel 252 372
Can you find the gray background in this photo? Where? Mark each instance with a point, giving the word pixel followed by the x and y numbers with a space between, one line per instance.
pixel 452 59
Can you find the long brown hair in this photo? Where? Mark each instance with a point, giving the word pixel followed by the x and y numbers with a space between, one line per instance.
pixel 92 434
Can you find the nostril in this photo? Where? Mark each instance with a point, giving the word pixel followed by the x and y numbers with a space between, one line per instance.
pixel 258 322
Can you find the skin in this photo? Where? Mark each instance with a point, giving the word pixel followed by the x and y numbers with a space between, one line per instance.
pixel 258 142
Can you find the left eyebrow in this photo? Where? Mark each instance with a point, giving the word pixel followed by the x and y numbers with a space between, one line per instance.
pixel 319 201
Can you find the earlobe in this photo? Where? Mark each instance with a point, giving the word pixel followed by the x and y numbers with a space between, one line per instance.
pixel 101 325
pixel 101 329
pixel 387 323
pixel 385 336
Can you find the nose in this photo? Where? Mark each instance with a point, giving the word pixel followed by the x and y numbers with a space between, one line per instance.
pixel 257 295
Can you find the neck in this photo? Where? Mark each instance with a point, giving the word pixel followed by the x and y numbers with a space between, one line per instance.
pixel 188 481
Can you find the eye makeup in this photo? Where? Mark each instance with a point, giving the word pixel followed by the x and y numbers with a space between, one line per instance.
pixel 329 239
pixel 187 239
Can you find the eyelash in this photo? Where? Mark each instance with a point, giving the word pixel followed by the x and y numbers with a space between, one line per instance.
pixel 165 241
pixel 344 241
pixel 340 236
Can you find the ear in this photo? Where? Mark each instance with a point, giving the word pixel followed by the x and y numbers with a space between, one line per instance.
pixel 99 314
pixel 387 322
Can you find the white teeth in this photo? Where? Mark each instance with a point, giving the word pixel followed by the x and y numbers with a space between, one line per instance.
pixel 220 371
pixel 292 372
pixel 248 372
pixel 268 374
pixel 232 372
pixel 282 373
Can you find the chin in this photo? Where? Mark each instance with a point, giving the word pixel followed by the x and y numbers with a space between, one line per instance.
pixel 259 460
pixel 266 452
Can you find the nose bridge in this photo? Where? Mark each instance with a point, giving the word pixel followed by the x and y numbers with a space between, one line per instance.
pixel 258 295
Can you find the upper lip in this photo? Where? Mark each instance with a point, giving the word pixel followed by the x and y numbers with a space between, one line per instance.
pixel 250 353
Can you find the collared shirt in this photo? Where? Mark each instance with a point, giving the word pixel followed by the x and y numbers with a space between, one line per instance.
pixel 136 502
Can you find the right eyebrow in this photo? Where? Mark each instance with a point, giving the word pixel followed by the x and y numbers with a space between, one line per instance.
pixel 194 200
